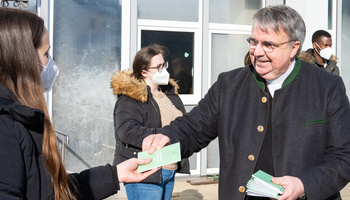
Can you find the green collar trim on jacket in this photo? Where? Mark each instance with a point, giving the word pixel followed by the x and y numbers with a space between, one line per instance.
pixel 260 81
pixel 293 74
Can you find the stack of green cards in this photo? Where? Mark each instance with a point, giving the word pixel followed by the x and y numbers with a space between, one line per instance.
pixel 167 155
pixel 260 185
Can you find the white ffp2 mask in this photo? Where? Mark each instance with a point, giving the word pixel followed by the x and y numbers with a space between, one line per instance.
pixel 160 78
pixel 49 74
pixel 325 53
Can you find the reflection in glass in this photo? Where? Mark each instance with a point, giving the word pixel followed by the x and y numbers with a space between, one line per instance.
pixel 181 55
pixel 228 53
pixel 179 10
pixel 86 49
pixel 233 11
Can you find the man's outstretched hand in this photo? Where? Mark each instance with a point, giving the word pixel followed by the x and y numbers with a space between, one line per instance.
pixel 154 142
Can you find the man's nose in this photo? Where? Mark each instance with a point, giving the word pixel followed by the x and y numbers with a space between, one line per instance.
pixel 259 51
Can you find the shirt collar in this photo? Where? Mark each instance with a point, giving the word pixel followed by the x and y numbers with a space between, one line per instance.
pixel 276 84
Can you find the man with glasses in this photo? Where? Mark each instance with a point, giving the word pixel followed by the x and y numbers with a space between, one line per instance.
pixel 321 54
pixel 276 115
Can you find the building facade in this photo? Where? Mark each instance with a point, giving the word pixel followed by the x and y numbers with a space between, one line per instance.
pixel 92 39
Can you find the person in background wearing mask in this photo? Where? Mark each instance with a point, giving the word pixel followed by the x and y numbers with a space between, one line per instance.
pixel 31 165
pixel 321 54
pixel 147 101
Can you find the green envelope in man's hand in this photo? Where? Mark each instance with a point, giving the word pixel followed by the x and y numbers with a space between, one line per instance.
pixel 167 155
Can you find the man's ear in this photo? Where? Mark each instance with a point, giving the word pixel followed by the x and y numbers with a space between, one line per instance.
pixel 295 48
pixel 314 45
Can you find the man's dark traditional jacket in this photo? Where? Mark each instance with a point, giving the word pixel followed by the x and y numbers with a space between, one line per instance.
pixel 310 129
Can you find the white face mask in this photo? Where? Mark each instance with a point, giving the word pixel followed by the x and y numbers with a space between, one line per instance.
pixel 49 74
pixel 160 78
pixel 325 53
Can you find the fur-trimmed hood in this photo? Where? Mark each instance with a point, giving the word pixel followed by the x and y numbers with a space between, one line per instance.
pixel 125 84
pixel 308 57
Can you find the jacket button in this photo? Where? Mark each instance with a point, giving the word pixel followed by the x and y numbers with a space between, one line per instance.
pixel 251 157
pixel 264 99
pixel 241 189
pixel 260 128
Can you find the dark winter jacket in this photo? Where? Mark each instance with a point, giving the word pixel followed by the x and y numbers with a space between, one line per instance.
pixel 23 174
pixel 137 115
pixel 310 129
pixel 331 67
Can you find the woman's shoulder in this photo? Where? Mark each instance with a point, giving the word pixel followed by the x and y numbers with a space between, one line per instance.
pixel 13 130
pixel 14 139
pixel 124 84
pixel 7 124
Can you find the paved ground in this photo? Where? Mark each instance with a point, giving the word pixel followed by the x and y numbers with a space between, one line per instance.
pixel 185 191
pixel 345 193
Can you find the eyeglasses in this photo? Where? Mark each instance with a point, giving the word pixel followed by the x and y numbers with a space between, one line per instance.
pixel 268 47
pixel 160 67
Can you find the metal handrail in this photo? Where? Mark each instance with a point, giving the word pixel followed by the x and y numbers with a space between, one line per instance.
pixel 63 147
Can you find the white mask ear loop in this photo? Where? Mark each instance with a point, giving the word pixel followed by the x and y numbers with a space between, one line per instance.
pixel 149 78
pixel 45 66
pixel 147 73
pixel 318 47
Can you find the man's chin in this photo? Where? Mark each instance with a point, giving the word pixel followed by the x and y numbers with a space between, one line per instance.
pixel 262 71
pixel 266 75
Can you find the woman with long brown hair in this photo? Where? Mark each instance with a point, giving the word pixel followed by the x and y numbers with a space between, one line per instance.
pixel 31 165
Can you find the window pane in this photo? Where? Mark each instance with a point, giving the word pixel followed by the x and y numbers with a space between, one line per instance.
pixel 179 10
pixel 86 48
pixel 228 53
pixel 233 11
pixel 213 160
pixel 330 14
pixel 181 55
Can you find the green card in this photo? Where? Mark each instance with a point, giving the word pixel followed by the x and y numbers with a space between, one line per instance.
pixel 260 185
pixel 167 155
